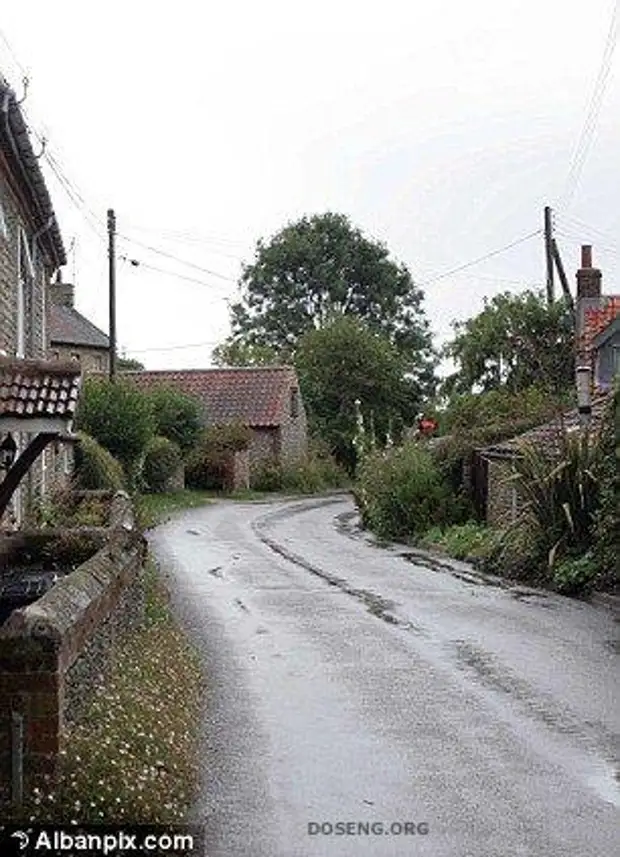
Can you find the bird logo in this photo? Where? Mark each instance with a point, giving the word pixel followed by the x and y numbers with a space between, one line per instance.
pixel 23 839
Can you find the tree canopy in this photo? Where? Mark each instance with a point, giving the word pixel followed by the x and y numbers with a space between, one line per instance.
pixel 322 267
pixel 240 353
pixel 516 341
pixel 343 362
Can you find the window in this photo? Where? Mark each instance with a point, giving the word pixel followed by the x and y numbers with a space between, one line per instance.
pixel 25 275
pixel 294 402
pixel 75 356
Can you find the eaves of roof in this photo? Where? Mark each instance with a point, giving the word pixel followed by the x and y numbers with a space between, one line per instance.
pixel 17 148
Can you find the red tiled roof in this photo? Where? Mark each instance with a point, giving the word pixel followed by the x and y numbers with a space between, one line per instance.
pixel 598 318
pixel 38 388
pixel 254 396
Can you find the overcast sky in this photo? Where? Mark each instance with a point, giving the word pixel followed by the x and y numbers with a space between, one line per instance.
pixel 441 128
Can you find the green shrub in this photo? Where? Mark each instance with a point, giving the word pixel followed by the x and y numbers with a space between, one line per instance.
pixel 119 417
pixel 470 540
pixel 177 417
pixel 606 548
pixel 95 467
pixel 574 575
pixel 317 471
pixel 209 464
pixel 400 493
pixel 266 475
pixel 162 460
pixel 516 554
pixel 68 507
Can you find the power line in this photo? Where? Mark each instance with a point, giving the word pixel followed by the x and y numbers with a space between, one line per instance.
pixel 575 223
pixel 173 347
pixel 181 235
pixel 577 240
pixel 138 263
pixel 592 113
pixel 178 259
pixel 482 258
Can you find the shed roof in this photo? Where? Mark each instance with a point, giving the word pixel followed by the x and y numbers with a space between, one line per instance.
pixel 548 435
pixel 69 327
pixel 254 396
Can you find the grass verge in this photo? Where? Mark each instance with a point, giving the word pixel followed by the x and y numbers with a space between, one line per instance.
pixel 153 509
pixel 133 755
pixel 470 541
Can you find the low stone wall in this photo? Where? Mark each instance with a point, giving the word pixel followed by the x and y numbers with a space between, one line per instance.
pixel 54 651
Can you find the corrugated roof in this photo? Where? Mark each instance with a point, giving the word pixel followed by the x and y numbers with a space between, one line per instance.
pixel 69 327
pixel 18 151
pixel 38 388
pixel 254 396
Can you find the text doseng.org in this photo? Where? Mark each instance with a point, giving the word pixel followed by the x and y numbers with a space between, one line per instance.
pixel 367 828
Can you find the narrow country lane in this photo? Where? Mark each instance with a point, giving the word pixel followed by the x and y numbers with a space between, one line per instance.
pixel 434 711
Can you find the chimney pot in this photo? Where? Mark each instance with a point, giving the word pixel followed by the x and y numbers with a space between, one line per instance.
pixel 588 278
pixel 586 255
pixel 63 294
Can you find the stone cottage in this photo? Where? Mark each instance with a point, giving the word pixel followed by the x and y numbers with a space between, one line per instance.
pixel 597 347
pixel 264 398
pixel 71 335
pixel 31 251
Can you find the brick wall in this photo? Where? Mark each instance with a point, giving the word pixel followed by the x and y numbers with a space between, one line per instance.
pixel 53 651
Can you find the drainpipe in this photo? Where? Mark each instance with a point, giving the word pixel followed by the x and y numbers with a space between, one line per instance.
pixel 50 222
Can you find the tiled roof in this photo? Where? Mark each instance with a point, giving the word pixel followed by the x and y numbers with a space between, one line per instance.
pixel 598 318
pixel 548 435
pixel 254 396
pixel 38 388
pixel 69 327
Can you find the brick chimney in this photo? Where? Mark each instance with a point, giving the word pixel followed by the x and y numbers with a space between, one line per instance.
pixel 588 278
pixel 62 294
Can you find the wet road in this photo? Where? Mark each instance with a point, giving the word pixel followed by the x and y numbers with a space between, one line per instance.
pixel 433 711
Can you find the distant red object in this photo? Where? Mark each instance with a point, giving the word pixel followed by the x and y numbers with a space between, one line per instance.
pixel 427 425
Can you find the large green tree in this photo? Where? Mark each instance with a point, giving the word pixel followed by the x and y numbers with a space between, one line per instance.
pixel 345 361
pixel 322 267
pixel 516 341
pixel 237 352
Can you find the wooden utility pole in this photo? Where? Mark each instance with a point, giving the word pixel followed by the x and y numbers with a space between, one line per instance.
pixel 112 289
pixel 549 254
pixel 562 275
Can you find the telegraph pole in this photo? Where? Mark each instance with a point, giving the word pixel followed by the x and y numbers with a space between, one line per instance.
pixel 549 254
pixel 112 289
